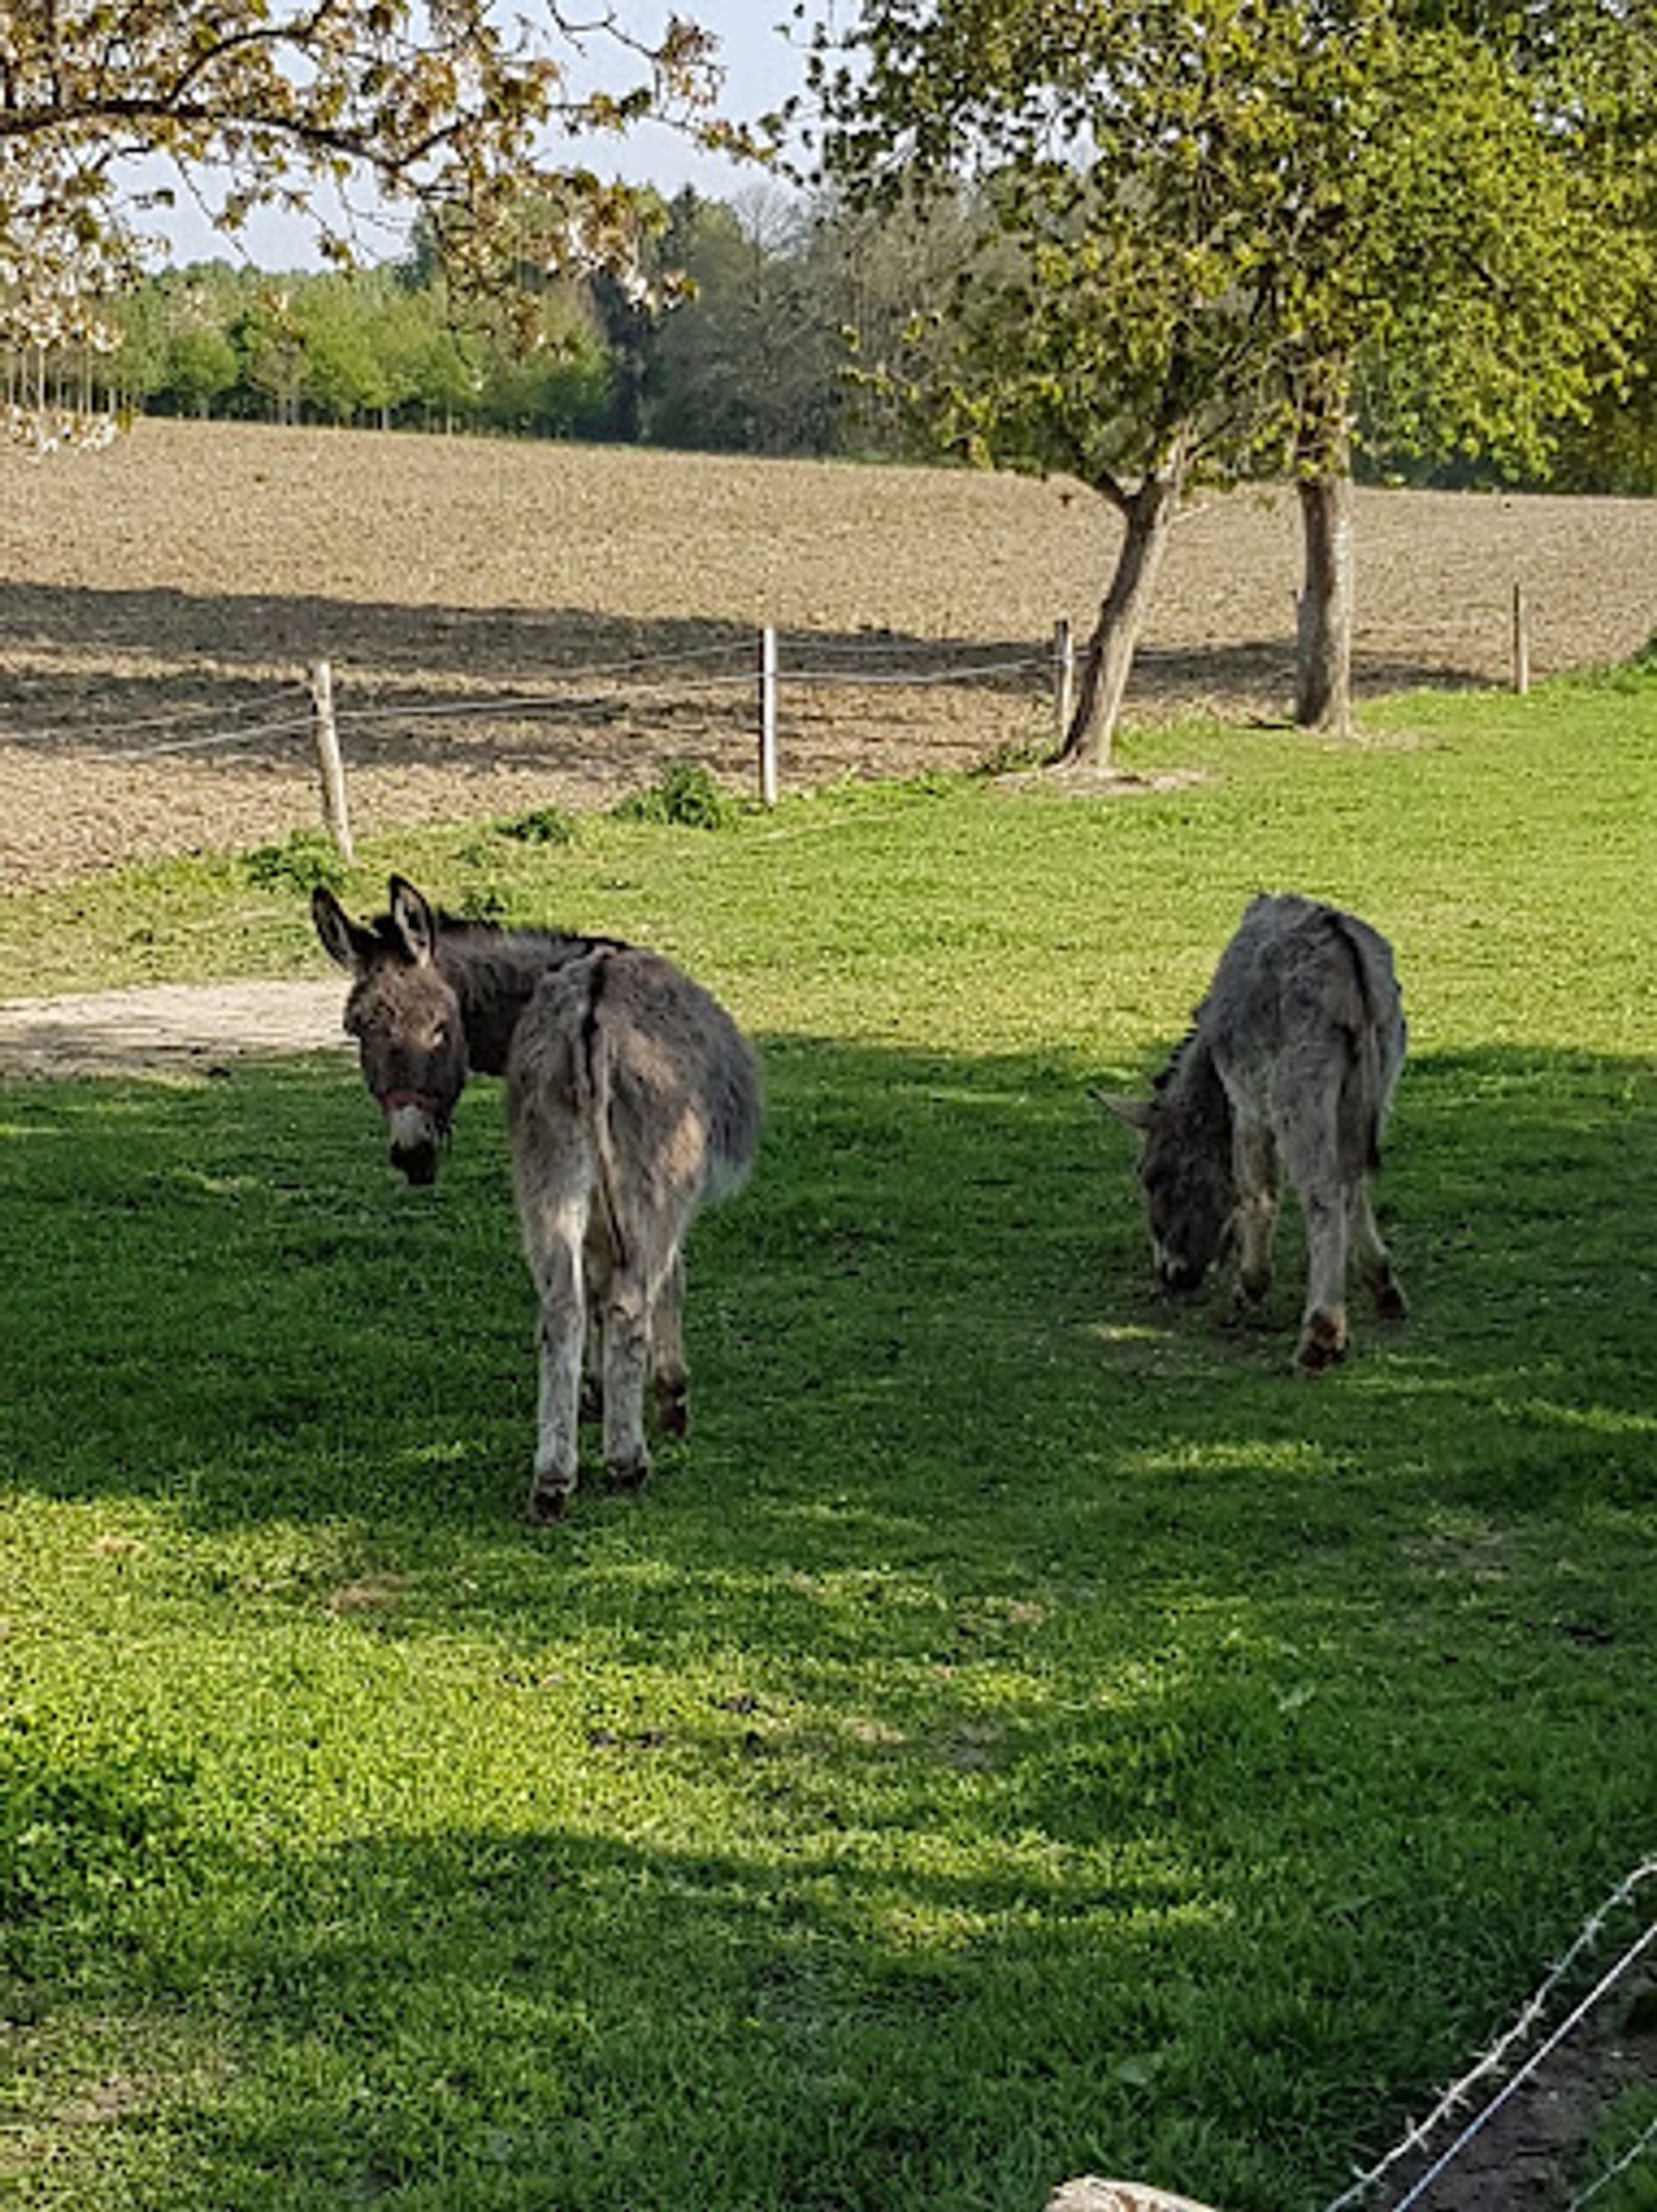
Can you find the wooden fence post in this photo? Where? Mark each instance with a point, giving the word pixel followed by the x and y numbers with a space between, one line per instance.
pixel 1520 640
pixel 1064 681
pixel 319 678
pixel 768 716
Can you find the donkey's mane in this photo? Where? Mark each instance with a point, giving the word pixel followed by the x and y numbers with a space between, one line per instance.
pixel 1175 1066
pixel 494 972
pixel 461 933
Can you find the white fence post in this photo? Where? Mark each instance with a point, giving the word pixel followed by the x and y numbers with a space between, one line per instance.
pixel 319 678
pixel 768 716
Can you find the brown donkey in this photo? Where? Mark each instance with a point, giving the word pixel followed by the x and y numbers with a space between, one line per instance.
pixel 632 1099
pixel 1291 1065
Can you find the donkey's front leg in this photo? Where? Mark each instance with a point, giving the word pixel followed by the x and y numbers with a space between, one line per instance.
pixel 1254 1170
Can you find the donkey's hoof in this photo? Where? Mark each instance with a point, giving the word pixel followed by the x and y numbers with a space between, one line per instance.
pixel 549 1502
pixel 1390 1302
pixel 1252 1287
pixel 629 1474
pixel 1322 1346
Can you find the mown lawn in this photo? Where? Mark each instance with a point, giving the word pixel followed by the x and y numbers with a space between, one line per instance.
pixel 1026 1732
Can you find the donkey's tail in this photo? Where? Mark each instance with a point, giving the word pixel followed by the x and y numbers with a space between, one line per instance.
pixel 1366 1089
pixel 594 1100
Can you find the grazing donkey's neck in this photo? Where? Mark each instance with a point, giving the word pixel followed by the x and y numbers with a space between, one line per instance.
pixel 1190 1087
pixel 495 975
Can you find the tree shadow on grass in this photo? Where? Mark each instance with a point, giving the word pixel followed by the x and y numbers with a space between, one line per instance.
pixel 1166 1923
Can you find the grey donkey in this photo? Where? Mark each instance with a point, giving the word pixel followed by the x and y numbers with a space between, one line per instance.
pixel 1290 1066
pixel 631 1100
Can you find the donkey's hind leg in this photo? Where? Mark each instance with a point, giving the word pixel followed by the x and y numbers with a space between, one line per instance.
pixel 1310 1145
pixel 670 1376
pixel 1254 1168
pixel 626 1362
pixel 596 1275
pixel 1373 1260
pixel 643 1335
pixel 554 1223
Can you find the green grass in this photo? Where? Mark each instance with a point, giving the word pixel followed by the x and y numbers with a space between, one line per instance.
pixel 1026 1732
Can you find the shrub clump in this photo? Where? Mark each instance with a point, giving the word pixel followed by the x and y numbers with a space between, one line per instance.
pixel 298 863
pixel 542 825
pixel 685 797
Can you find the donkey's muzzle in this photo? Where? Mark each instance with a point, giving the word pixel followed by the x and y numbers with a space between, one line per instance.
pixel 419 1165
pixel 1179 1275
pixel 416 1136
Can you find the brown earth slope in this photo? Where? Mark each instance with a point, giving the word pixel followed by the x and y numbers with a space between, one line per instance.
pixel 159 601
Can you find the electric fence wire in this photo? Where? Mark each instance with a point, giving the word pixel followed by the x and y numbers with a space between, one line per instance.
pixel 913 679
pixel 207 709
pixel 1642 2143
pixel 1457 2093
pixel 537 701
pixel 218 738
pixel 495 707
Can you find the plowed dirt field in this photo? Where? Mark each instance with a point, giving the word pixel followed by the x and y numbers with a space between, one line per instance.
pixel 512 626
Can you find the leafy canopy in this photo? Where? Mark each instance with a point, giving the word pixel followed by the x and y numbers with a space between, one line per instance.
pixel 251 103
pixel 1193 221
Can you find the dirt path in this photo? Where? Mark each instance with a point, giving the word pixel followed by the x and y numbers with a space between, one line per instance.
pixel 167 1028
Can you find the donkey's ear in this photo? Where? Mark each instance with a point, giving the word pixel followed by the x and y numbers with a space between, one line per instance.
pixel 412 919
pixel 342 939
pixel 1138 1113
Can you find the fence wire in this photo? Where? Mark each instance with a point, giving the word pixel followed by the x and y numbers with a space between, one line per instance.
pixel 567 694
pixel 1490 2064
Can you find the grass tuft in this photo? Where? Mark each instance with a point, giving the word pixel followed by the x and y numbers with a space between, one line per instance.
pixel 686 796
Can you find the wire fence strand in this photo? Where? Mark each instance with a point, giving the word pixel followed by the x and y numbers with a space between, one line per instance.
pixel 649 676
pixel 1645 2142
pixel 205 710
pixel 1417 2138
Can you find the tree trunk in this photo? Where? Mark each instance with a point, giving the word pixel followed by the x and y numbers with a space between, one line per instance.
pixel 1323 662
pixel 1149 514
pixel 1323 468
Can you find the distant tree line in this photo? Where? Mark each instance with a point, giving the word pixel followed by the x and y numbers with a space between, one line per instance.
pixel 750 356
pixel 776 347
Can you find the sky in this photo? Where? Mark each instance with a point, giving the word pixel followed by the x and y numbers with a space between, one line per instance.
pixel 761 50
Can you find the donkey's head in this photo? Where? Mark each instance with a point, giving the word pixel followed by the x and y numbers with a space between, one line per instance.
pixel 1185 1167
pixel 405 1017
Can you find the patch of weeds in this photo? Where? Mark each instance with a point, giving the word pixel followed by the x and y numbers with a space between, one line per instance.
pixel 484 901
pixel 685 797
pixel 542 825
pixel 300 862
pixel 1012 757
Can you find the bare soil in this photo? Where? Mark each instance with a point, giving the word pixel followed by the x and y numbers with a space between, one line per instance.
pixel 177 1029
pixel 160 601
